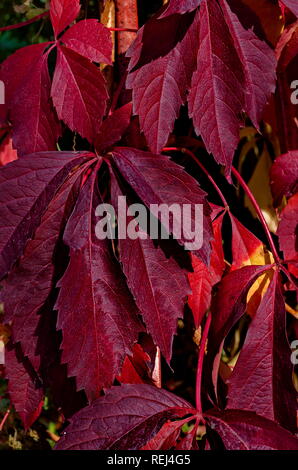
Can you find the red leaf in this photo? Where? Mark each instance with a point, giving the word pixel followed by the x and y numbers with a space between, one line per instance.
pixel 258 62
pixel 25 392
pixel 27 186
pixel 216 98
pixel 204 278
pixel 262 379
pixel 34 122
pixel 244 430
pixel 167 437
pixel 113 127
pixel 126 418
pixel 79 93
pixel 23 61
pixel 158 180
pixel 33 275
pixel 230 302
pixel 284 179
pixel 160 86
pixel 96 306
pixel 159 285
pixel 63 12
pixel 292 5
pixel 135 368
pixel 90 39
pixel 245 245
pixel 288 231
pixel 178 6
pixel 7 152
pixel 227 308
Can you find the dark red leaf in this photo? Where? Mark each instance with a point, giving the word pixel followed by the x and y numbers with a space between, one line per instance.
pixel 284 176
pixel 258 62
pixel 7 152
pixel 126 418
pixel 27 186
pixel 23 61
pixel 23 387
pixel 262 379
pixel 90 39
pixel 217 98
pixel 180 6
pixel 158 180
pixel 292 5
pixel 63 12
pixel 33 275
pixel 204 278
pixel 288 231
pixel 79 93
pixel 113 127
pixel 167 437
pixel 95 305
pixel 160 85
pixel 245 245
pixel 159 285
pixel 34 122
pixel 244 430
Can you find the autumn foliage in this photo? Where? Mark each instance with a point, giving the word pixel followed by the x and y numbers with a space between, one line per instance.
pixel 140 343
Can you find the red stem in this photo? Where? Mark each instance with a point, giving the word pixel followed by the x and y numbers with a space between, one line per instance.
pixel 24 23
pixel 200 363
pixel 192 155
pixel 259 212
pixel 127 30
pixel 4 419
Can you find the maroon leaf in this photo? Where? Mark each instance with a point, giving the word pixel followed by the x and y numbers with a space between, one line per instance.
pixel 7 152
pixel 26 188
pixel 113 127
pixel 227 307
pixel 33 276
pixel 258 62
pixel 245 245
pixel 167 437
pixel 34 121
pixel 79 93
pixel 292 5
pixel 288 231
pixel 23 61
pixel 159 285
pixel 96 306
pixel 63 12
pixel 205 277
pixel 160 86
pixel 126 418
pixel 244 430
pixel 216 98
pixel 230 302
pixel 284 176
pixel 178 6
pixel 90 39
pixel 262 379
pixel 23 387
pixel 158 180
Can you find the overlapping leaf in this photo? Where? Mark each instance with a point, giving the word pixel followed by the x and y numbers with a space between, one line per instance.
pixel 262 379
pixel 96 306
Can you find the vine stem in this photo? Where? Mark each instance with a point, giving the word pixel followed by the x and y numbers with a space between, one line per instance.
pixel 25 23
pixel 259 212
pixel 200 363
pixel 193 156
pixel 4 419
pixel 45 15
pixel 127 30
